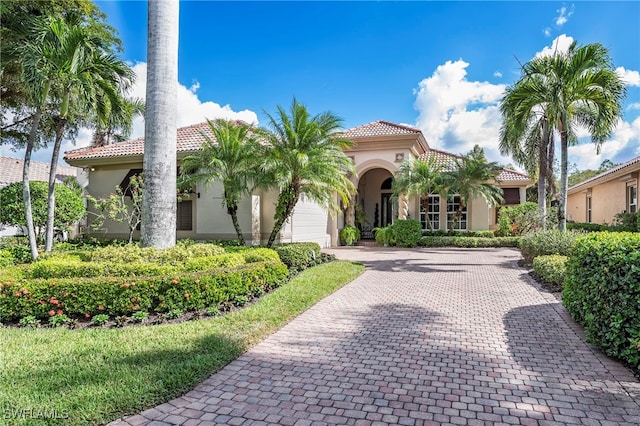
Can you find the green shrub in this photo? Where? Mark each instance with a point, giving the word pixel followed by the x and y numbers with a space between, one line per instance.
pixel 299 256
pixel 524 218
pixel 169 256
pixel 260 254
pixel 385 236
pixel 139 316
pixel 226 260
pixel 100 319
pixel 21 253
pixel 458 233
pixel 551 269
pixel 545 242
pixel 123 296
pixel 6 258
pixel 587 227
pixel 626 222
pixel 349 235
pixel 468 242
pixel 602 292
pixel 407 232
pixel 58 320
pixel 69 268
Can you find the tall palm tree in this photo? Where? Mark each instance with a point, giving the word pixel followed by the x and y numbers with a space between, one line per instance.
pixel 159 162
pixel 419 177
pixel 232 158
pixel 118 125
pixel 305 155
pixel 86 79
pixel 473 176
pixel 575 88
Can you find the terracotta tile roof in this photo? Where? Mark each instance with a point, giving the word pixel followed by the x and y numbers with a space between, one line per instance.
pixel 447 161
pixel 629 163
pixel 189 139
pixel 11 171
pixel 380 128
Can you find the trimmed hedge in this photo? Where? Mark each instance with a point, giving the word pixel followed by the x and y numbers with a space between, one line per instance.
pixel 468 242
pixel 299 256
pixel 587 227
pixel 551 269
pixel 72 268
pixel 172 256
pixel 546 242
pixel 458 233
pixel 602 292
pixel 86 297
pixel 407 232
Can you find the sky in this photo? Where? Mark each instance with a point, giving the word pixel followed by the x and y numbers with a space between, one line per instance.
pixel 439 66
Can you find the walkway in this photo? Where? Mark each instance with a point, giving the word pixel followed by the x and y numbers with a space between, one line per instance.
pixel 425 336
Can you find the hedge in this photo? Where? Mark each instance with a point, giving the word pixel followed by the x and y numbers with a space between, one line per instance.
pixel 546 242
pixel 85 297
pixel 407 232
pixel 468 242
pixel 173 255
pixel 458 233
pixel 587 227
pixel 602 292
pixel 551 269
pixel 299 256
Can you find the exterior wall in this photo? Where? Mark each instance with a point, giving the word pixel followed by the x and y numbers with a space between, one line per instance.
pixel 577 207
pixel 310 223
pixel 102 182
pixel 211 219
pixel 607 200
pixel 479 214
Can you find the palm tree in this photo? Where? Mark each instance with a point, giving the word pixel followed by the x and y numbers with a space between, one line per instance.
pixel 159 162
pixel 231 157
pixel 305 155
pixel 473 176
pixel 419 177
pixel 85 79
pixel 576 88
pixel 117 126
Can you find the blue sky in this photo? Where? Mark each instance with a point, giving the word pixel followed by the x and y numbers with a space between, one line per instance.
pixel 440 66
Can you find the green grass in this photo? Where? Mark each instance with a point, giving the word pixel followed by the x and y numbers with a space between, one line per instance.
pixel 93 376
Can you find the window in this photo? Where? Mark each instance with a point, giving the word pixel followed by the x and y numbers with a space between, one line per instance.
pixel 184 218
pixel 589 209
pixel 455 221
pixel 432 213
pixel 511 196
pixel 632 198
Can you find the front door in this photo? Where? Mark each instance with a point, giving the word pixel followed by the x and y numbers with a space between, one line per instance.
pixel 386 210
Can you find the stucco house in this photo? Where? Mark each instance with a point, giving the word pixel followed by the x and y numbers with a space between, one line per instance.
pixel 379 148
pixel 599 199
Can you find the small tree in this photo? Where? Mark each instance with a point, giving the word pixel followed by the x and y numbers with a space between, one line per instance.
pixel 115 207
pixel 69 206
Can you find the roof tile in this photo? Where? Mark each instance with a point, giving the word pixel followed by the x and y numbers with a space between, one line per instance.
pixel 447 161
pixel 380 128
pixel 11 171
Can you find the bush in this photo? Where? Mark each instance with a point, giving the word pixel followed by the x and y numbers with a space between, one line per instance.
pixel 545 242
pixel 551 269
pixel 468 242
pixel 626 222
pixel 407 232
pixel 524 218
pixel 586 227
pixel 6 258
pixel 172 256
pixel 458 233
pixel 349 235
pixel 385 236
pixel 69 268
pixel 602 292
pixel 260 254
pixel 226 260
pixel 299 256
pixel 85 297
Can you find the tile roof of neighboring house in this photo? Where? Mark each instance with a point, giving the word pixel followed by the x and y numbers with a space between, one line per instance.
pixel 616 169
pixel 380 128
pixel 447 160
pixel 189 139
pixel 11 171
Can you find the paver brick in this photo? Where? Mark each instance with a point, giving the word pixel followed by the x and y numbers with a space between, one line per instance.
pixel 424 336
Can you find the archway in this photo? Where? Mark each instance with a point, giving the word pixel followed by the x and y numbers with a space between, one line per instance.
pixel 374 206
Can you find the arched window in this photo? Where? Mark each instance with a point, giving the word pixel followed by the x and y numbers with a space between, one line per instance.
pixel 386 184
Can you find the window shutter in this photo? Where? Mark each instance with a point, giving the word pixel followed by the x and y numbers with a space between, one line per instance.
pixel 184 222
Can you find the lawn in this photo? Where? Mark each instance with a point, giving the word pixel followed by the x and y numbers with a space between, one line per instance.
pixel 94 375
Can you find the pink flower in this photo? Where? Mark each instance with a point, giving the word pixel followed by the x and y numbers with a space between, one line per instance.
pixel 52 313
pixel 101 308
pixel 175 282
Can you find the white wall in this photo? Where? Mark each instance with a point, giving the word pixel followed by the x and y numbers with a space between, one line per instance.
pixel 310 223
pixel 211 218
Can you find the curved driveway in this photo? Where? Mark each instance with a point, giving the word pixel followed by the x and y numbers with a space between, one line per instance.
pixel 424 336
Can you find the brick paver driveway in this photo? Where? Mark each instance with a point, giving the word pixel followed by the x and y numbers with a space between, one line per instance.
pixel 425 336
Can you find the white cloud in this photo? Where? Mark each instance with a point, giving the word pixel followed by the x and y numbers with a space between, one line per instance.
pixel 547 32
pixel 455 113
pixel 635 105
pixel 623 146
pixel 497 74
pixel 564 15
pixel 630 77
pixel 559 44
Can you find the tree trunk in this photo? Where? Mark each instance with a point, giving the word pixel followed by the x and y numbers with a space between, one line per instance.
pixel 26 191
pixel 542 172
pixel 286 202
pixel 232 210
pixel 564 152
pixel 159 164
pixel 51 199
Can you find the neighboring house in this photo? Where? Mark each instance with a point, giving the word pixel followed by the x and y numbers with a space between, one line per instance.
pixel 11 171
pixel 379 148
pixel 599 199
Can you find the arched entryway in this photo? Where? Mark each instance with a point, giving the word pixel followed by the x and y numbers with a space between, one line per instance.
pixel 374 204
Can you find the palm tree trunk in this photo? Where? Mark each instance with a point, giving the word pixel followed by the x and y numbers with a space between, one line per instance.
pixel 232 210
pixel 51 199
pixel 564 177
pixel 159 163
pixel 26 191
pixel 542 172
pixel 286 202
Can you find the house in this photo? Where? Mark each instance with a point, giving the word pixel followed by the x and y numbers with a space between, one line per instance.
pixel 599 199
pixel 379 147
pixel 11 171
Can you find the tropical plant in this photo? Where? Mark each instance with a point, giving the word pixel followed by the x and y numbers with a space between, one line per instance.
pixel 419 177
pixel 576 88
pixel 349 235
pixel 159 160
pixel 385 236
pixel 473 176
pixel 305 155
pixel 231 157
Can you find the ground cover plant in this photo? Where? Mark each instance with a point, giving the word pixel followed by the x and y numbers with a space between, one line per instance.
pixel 96 375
